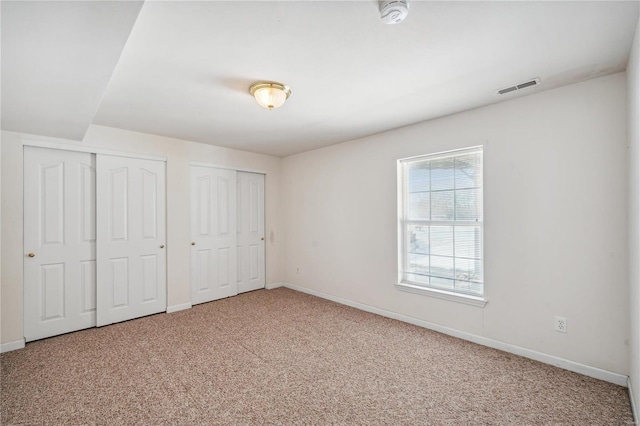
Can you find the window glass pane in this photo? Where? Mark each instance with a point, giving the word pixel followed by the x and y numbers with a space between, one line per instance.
pixel 468 269
pixel 418 239
pixel 469 287
pixel 418 206
pixel 468 242
pixel 476 288
pixel 442 266
pixel 469 204
pixel 418 176
pixel 464 286
pixel 417 279
pixel 418 263
pixel 442 171
pixel 442 240
pixel 442 283
pixel 469 171
pixel 442 205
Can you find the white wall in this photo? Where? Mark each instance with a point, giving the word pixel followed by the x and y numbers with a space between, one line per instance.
pixel 178 153
pixel 633 83
pixel 555 221
pixel 1 240
pixel 0 206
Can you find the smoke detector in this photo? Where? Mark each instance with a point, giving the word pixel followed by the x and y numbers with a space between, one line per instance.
pixel 394 11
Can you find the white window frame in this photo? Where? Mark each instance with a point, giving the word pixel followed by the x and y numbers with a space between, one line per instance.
pixel 403 223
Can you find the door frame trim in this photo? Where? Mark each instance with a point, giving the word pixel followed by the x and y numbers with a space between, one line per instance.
pixel 220 166
pixel 29 141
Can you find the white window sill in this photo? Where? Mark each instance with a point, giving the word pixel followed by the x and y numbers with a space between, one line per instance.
pixel 441 294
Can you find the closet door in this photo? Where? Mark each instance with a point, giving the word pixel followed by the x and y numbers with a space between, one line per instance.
pixel 213 233
pixel 131 226
pixel 251 261
pixel 59 242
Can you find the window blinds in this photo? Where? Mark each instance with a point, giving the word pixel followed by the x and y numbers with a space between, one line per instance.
pixel 442 221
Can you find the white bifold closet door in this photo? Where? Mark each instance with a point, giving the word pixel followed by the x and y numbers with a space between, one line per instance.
pixel 131 255
pixel 94 235
pixel 213 232
pixel 59 242
pixel 251 256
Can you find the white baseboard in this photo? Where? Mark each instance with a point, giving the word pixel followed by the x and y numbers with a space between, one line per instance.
pixel 275 285
pixel 180 307
pixel 576 367
pixel 12 346
pixel 634 407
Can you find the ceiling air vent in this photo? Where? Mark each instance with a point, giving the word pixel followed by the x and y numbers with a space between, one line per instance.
pixel 520 86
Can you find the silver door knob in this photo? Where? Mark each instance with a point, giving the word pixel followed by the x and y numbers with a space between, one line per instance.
pixel 31 255
pixel 161 245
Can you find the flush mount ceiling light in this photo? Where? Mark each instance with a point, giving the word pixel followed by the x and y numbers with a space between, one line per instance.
pixel 270 94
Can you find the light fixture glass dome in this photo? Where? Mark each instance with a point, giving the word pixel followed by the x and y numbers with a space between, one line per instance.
pixel 270 94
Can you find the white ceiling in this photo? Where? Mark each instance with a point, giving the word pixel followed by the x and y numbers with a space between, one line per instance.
pixel 186 68
pixel 57 59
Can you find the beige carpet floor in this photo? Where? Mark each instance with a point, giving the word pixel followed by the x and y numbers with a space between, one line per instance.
pixel 284 357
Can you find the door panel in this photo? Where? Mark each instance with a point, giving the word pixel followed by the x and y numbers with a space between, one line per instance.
pixel 53 289
pixel 149 205
pixel 254 262
pixel 59 230
pixel 88 203
pixel 88 285
pixel 117 204
pixel 53 202
pixel 224 260
pixel 202 280
pixel 250 241
pixel 213 233
pixel 131 226
pixel 149 278
pixel 118 284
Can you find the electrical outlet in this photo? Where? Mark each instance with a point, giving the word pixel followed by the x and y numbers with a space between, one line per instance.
pixel 297 269
pixel 560 324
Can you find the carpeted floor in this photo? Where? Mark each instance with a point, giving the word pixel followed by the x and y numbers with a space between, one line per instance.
pixel 284 357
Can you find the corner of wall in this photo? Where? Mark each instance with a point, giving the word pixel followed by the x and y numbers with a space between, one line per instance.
pixel 633 111
pixel 10 217
pixel 0 236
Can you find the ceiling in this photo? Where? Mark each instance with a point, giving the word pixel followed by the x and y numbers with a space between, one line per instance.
pixel 57 59
pixel 186 67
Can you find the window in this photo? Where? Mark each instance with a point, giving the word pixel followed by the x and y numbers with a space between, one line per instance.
pixel 441 222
